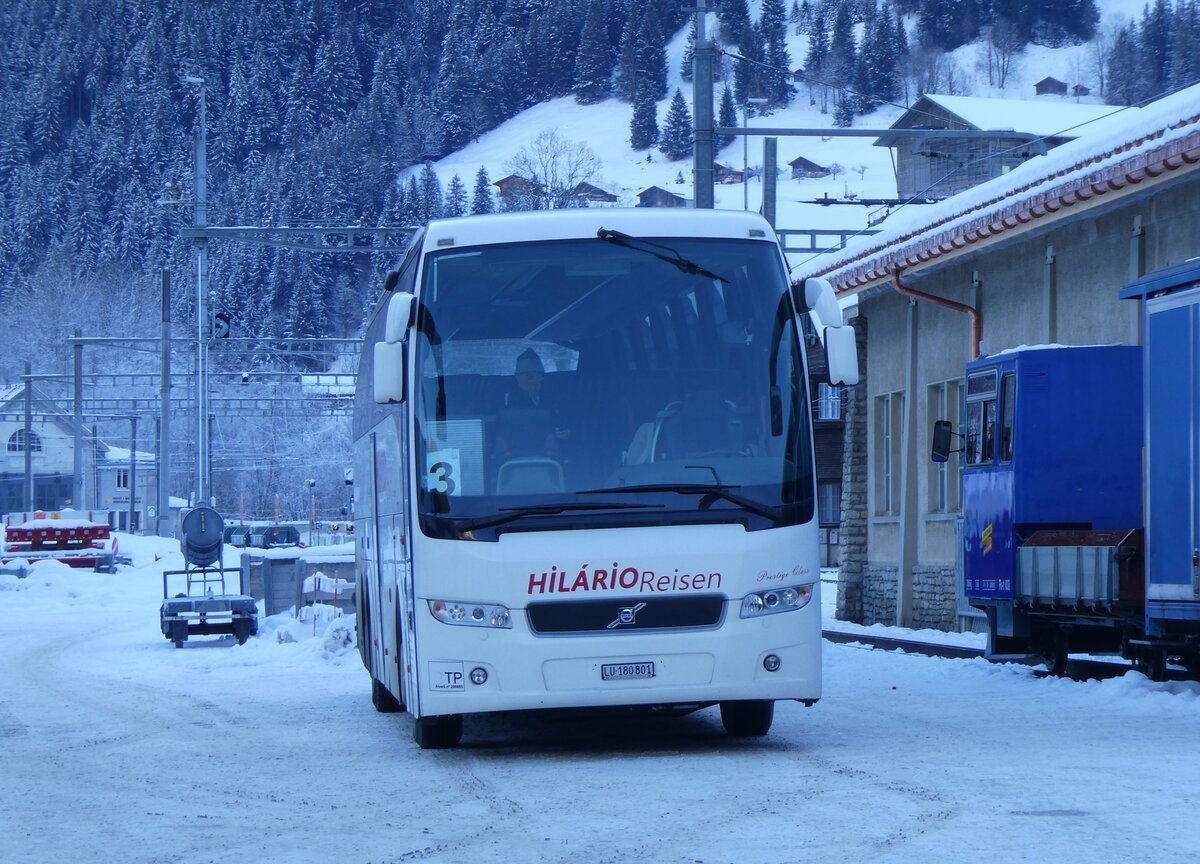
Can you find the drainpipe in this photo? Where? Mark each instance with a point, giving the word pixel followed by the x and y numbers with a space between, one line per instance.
pixel 971 311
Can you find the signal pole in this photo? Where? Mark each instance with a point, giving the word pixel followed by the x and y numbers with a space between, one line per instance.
pixel 200 243
pixel 703 151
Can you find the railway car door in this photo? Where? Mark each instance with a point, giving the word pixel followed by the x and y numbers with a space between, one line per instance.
pixel 1172 465
pixel 988 547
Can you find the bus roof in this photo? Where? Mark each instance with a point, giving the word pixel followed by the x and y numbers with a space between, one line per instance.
pixel 576 223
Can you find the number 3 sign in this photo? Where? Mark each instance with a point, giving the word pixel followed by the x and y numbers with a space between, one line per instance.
pixel 442 473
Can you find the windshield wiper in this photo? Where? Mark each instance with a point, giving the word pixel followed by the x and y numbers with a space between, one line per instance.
pixel 674 258
pixel 711 492
pixel 511 514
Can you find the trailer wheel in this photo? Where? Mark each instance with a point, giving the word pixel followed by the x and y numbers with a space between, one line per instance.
pixel 178 633
pixel 1056 654
pixel 383 700
pixel 751 719
pixel 1152 662
pixel 241 630
pixel 438 733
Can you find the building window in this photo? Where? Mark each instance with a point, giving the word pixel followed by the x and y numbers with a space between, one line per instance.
pixel 16 443
pixel 945 478
pixel 122 478
pixel 829 502
pixel 829 402
pixel 889 416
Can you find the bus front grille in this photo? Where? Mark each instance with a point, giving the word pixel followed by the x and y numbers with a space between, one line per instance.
pixel 626 614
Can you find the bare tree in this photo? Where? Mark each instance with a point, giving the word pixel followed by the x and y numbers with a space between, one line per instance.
pixel 1099 51
pixel 554 168
pixel 999 50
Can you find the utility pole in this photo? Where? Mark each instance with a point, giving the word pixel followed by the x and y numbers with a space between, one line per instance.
pixel 200 243
pixel 754 100
pixel 132 473
pixel 77 351
pixel 164 414
pixel 30 504
pixel 703 149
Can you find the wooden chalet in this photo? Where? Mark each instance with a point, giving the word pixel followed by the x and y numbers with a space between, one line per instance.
pixel 656 196
pixel 929 167
pixel 803 169
pixel 1050 87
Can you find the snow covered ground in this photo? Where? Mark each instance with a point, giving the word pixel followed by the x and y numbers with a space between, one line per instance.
pixel 115 746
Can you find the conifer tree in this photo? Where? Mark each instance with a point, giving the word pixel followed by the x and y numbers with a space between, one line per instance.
pixel 677 137
pixel 430 195
pixel 593 66
pixel 816 61
pixel 1124 82
pixel 1183 66
pixel 482 200
pixel 734 17
pixel 627 57
pixel 841 65
pixel 749 78
pixel 772 26
pixel 651 55
pixel 643 127
pixel 727 117
pixel 455 202
pixel 686 70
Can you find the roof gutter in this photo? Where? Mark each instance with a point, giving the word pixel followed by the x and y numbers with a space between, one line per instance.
pixel 971 311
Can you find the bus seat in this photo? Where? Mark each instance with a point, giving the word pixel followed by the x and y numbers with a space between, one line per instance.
pixel 702 423
pixel 530 475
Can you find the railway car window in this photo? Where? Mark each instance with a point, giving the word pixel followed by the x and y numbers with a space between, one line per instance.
pixel 981 418
pixel 1008 404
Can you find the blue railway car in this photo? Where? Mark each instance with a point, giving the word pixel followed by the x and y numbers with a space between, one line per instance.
pixel 1081 490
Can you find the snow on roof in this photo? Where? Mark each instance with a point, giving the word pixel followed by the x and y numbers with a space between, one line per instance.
pixel 121 454
pixel 1122 137
pixel 1048 117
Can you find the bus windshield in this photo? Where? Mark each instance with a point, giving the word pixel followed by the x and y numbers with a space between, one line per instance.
pixel 607 382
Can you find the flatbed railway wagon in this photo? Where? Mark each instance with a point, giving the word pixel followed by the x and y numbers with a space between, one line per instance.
pixel 1081 490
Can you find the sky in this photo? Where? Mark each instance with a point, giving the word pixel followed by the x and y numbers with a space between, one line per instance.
pixel 115 746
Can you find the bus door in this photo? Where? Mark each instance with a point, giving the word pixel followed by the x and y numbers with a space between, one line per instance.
pixel 396 582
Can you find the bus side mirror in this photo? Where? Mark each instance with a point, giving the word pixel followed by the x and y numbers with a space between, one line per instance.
pixel 841 356
pixel 389 369
pixel 399 316
pixel 841 350
pixel 941 441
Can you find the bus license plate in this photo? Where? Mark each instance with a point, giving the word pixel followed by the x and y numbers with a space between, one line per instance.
pixel 626 671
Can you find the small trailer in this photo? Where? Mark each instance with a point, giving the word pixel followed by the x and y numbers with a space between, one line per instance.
pixel 74 538
pixel 204 608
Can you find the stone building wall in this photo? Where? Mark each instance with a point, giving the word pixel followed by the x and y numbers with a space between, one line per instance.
pixel 879 594
pixel 934 602
pixel 852 548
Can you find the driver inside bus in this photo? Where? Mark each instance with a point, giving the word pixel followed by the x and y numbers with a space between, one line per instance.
pixel 531 423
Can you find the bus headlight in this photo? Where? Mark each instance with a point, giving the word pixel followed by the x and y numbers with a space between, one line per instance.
pixel 775 600
pixel 471 614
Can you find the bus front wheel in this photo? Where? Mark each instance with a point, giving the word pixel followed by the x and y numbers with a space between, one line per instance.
pixel 750 719
pixel 438 733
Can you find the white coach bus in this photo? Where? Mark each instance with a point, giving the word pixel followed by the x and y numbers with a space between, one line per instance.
pixel 584 470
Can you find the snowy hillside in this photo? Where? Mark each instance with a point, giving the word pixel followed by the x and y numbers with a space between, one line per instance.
pixel 867 169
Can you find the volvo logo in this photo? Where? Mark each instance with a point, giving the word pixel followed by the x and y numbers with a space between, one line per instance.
pixel 626 615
